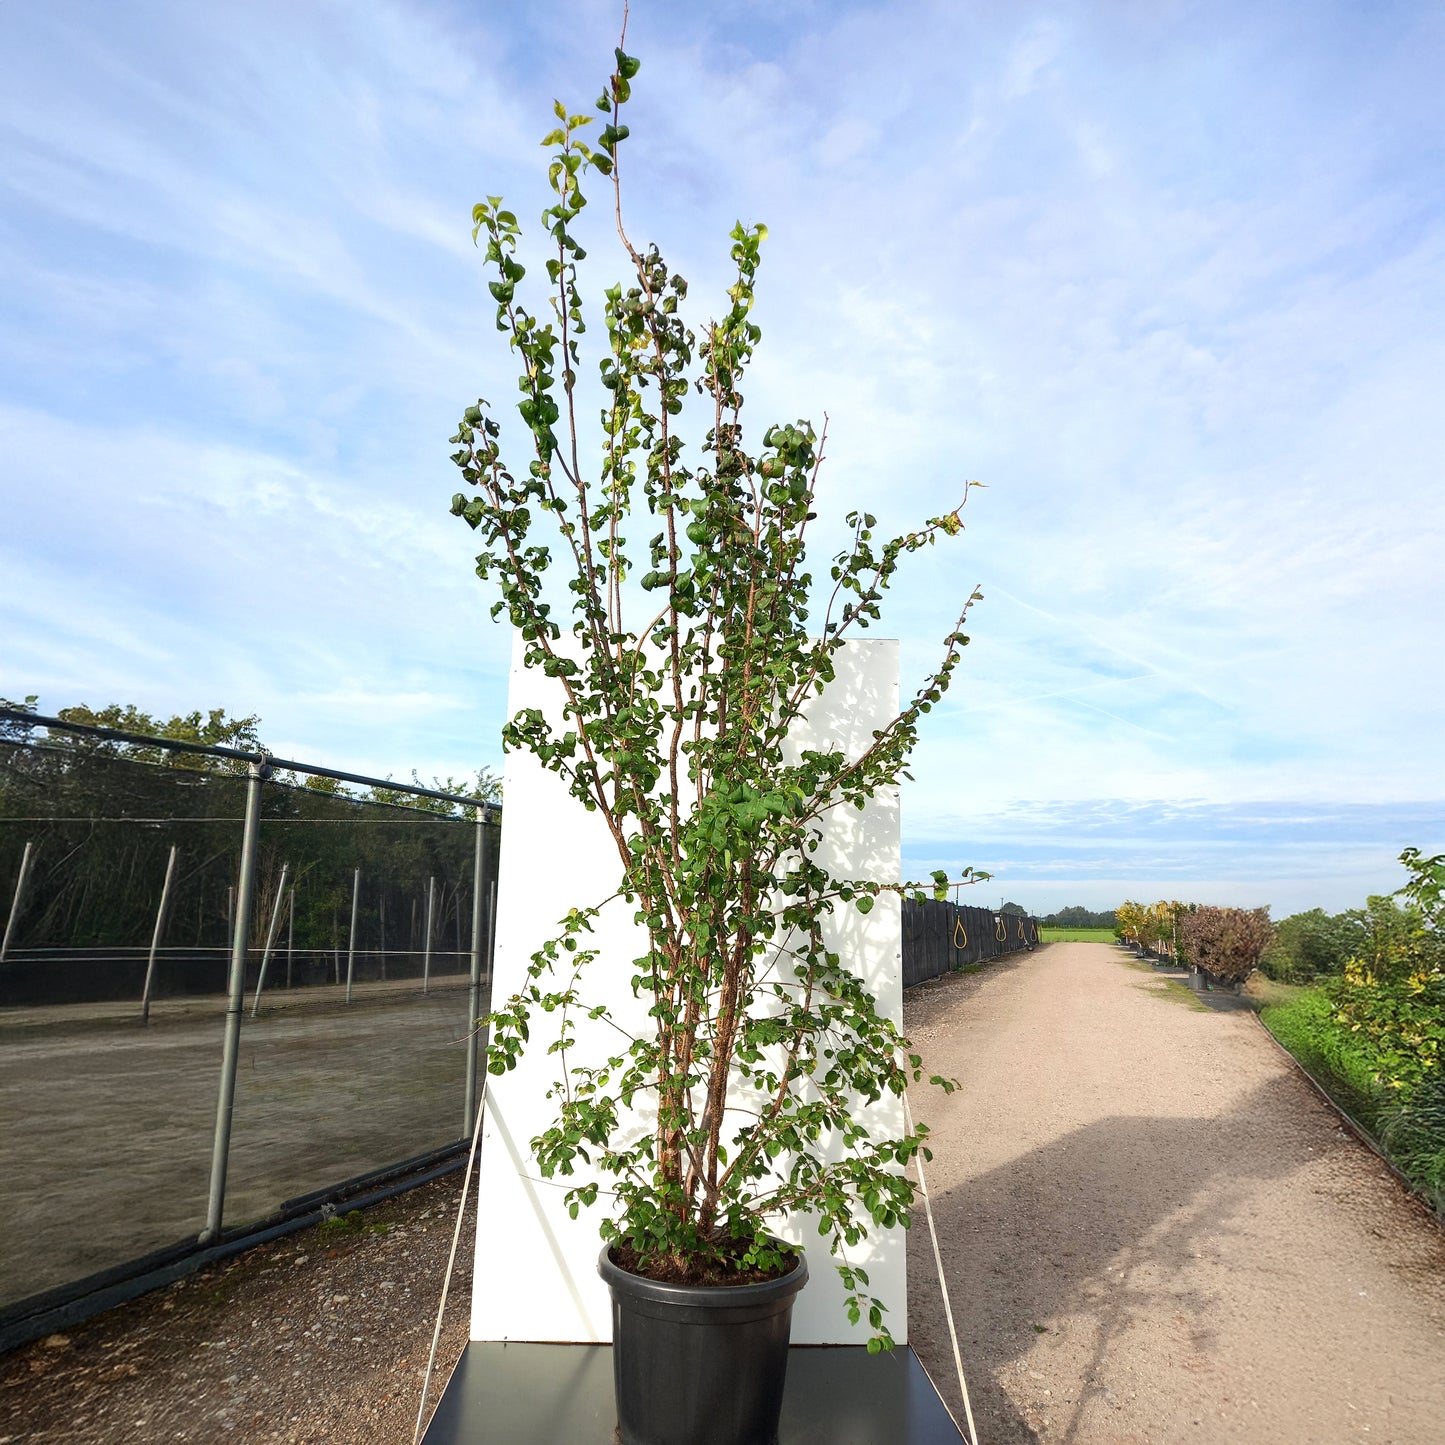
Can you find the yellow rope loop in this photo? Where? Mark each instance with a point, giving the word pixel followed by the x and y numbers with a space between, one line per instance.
pixel 1022 937
pixel 958 929
pixel 1000 929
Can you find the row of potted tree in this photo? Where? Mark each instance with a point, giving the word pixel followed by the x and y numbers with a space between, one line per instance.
pixel 1222 946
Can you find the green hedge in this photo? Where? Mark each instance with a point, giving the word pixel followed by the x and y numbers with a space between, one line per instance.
pixel 1410 1129
pixel 1413 1134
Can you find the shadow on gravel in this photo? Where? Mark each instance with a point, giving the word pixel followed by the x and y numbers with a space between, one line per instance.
pixel 1099 1223
pixel 1216 1000
pixel 1227 1003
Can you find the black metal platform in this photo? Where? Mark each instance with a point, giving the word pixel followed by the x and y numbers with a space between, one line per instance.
pixel 562 1395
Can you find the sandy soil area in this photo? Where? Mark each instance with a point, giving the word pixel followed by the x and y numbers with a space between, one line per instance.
pixel 1153 1230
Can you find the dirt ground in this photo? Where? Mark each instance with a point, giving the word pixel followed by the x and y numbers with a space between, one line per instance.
pixel 106 1124
pixel 320 1338
pixel 1153 1230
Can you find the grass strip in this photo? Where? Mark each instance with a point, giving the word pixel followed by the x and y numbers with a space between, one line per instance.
pixel 1306 1027
pixel 1411 1134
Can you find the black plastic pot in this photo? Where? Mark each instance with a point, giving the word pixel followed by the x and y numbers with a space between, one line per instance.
pixel 699 1364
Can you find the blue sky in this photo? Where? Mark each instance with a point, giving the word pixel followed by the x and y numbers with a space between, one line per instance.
pixel 1166 277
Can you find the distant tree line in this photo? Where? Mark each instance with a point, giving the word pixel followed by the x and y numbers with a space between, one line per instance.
pixel 101 816
pixel 1316 944
pixel 1077 916
pixel 214 728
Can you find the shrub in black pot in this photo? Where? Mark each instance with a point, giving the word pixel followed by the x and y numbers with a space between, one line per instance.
pixel 1225 944
pixel 761 1043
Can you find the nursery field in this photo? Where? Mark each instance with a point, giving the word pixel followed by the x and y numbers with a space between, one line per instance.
pixel 1075 935
pixel 106 1125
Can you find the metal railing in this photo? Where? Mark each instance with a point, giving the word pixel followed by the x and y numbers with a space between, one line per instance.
pixel 321 955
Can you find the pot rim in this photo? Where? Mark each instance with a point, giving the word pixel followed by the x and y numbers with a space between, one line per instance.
pixel 705 1296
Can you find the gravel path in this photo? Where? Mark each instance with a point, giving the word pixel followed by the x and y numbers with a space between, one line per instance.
pixel 1153 1230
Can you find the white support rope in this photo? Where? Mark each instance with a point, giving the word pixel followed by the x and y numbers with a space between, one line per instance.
pixel 942 1283
pixel 451 1263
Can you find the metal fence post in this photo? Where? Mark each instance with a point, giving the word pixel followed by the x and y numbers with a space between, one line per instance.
pixel 145 997
pixel 15 901
pixel 240 939
pixel 491 929
pixel 474 990
pixel 351 942
pixel 270 938
pixel 431 898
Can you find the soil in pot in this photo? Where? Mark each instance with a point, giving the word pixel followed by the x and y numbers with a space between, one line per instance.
pixel 699 1364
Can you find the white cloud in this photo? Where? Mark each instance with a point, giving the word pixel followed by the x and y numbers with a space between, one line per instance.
pixel 1180 308
pixel 1029 58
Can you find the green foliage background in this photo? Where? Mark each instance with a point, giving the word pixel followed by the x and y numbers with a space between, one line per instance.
pixel 1374 1034
pixel 102 815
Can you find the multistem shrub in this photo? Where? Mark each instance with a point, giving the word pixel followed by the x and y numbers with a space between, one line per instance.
pixel 761 1042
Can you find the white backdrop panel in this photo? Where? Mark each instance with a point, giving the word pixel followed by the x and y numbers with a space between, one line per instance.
pixel 536 1274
